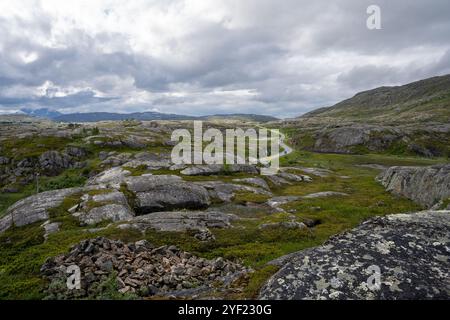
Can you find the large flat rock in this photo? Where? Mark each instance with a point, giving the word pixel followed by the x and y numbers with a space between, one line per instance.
pixel 34 208
pixel 411 251
pixel 166 192
pixel 177 221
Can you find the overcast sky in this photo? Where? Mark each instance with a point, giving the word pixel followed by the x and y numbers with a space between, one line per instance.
pixel 280 57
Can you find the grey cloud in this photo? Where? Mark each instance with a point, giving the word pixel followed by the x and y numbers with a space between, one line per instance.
pixel 295 55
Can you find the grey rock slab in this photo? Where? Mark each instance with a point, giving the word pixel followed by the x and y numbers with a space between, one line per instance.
pixel 225 192
pixel 149 182
pixel 113 212
pixel 166 192
pixel 34 208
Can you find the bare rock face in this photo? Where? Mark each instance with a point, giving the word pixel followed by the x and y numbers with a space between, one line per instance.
pixel 34 208
pixel 166 192
pixel 424 185
pixel 409 250
pixel 54 162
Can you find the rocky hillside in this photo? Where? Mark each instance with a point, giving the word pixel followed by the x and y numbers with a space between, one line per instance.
pixel 425 100
pixel 413 119
pixel 409 250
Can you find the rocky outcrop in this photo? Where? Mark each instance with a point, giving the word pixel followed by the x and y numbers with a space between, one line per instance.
pixel 139 268
pixel 424 185
pixel 410 251
pixel 215 169
pixel 343 139
pixel 166 192
pixel 53 162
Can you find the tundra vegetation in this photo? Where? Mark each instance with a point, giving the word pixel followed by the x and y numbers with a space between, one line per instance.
pixel 24 249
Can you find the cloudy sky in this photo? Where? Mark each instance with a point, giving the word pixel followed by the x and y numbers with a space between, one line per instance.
pixel 280 57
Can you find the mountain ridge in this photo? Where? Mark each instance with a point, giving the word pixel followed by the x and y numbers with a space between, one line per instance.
pixel 423 100
pixel 144 116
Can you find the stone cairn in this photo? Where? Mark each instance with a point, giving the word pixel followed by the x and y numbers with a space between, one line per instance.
pixel 138 268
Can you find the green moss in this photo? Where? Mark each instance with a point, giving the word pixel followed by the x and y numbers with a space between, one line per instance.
pixel 138 171
pixel 244 197
pixel 23 250
pixel 257 279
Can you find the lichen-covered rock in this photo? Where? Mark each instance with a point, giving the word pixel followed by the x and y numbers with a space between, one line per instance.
pixel 424 185
pixel 411 251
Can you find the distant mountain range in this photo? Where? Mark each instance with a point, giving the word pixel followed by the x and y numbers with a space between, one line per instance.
pixel 424 100
pixel 144 116
pixel 41 113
